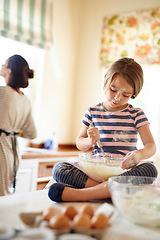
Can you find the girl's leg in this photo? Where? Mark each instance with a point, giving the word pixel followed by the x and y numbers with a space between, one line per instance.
pixel 144 170
pixel 59 192
pixel 64 172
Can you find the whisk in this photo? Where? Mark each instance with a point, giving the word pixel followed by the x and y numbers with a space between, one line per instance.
pixel 99 144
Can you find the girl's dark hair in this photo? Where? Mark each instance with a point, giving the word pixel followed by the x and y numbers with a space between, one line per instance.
pixel 20 72
pixel 130 70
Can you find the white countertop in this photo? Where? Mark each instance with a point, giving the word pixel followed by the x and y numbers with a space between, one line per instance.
pixel 121 229
pixel 11 206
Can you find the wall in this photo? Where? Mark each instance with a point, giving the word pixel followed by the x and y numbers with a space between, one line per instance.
pixel 58 87
pixel 77 35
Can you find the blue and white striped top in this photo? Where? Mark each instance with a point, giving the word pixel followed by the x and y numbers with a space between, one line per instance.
pixel 118 129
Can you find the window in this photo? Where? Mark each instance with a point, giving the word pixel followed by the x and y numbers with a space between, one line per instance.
pixel 148 100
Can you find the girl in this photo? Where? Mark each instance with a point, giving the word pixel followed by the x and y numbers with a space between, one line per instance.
pixel 15 119
pixel 116 123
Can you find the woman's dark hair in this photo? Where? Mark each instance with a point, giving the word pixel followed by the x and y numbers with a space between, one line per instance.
pixel 20 72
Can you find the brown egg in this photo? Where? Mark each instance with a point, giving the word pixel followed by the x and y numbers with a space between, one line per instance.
pixel 82 220
pixel 50 212
pixel 100 221
pixel 70 211
pixel 88 209
pixel 59 221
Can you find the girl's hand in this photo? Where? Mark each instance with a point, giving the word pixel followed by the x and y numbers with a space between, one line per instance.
pixel 131 159
pixel 93 135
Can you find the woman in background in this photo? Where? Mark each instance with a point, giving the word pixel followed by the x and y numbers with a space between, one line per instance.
pixel 15 119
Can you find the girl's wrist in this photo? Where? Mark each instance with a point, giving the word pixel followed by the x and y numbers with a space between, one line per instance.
pixel 139 155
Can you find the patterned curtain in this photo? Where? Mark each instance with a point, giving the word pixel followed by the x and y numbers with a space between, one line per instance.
pixel 133 34
pixel 28 21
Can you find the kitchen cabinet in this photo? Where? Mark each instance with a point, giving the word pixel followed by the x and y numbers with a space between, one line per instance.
pixel 26 176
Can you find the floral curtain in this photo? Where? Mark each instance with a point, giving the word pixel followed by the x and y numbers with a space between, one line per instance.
pixel 134 34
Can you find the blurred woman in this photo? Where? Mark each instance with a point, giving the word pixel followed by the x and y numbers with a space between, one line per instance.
pixel 15 119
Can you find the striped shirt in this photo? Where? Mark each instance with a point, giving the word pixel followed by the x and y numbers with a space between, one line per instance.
pixel 118 129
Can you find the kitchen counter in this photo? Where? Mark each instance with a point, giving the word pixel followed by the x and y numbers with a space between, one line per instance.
pixel 29 153
pixel 121 229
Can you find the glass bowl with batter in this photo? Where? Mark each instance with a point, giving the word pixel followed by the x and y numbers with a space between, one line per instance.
pixel 100 167
pixel 137 198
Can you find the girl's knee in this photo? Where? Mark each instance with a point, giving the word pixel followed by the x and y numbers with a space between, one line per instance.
pixel 64 172
pixel 149 169
pixel 154 171
pixel 143 170
pixel 58 170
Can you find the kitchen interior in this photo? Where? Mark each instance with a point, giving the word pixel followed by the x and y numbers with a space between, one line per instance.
pixel 71 80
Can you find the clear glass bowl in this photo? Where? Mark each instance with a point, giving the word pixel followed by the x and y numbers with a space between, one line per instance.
pixel 99 166
pixel 137 198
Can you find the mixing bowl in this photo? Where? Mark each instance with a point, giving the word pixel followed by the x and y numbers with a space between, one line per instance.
pixel 99 166
pixel 137 198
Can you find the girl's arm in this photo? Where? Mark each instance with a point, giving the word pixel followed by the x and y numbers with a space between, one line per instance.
pixel 133 158
pixel 149 144
pixel 87 138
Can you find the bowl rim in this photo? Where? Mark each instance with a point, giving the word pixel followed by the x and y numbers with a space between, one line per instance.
pixel 83 156
pixel 134 181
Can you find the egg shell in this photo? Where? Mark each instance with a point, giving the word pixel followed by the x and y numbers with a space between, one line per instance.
pixel 87 209
pixel 59 221
pixel 100 221
pixel 82 220
pixel 50 212
pixel 70 211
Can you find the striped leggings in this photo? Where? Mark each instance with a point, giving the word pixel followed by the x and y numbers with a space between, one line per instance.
pixel 68 174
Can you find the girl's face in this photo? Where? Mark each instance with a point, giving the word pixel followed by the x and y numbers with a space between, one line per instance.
pixel 118 94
